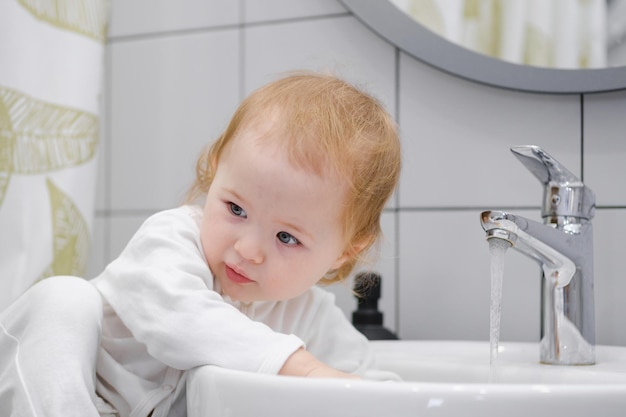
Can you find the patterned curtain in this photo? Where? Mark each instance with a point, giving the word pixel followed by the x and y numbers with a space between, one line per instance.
pixel 51 70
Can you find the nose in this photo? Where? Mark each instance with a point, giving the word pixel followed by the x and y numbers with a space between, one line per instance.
pixel 250 248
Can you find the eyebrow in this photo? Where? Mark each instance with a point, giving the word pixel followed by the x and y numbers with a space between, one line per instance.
pixel 236 196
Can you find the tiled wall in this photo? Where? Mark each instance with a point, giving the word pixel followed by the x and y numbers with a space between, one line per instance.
pixel 176 71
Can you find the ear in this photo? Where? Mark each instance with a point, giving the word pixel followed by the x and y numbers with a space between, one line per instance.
pixel 353 250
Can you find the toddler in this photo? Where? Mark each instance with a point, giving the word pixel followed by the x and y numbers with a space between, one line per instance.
pixel 288 197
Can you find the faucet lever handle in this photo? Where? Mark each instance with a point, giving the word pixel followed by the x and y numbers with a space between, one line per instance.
pixel 544 166
pixel 564 193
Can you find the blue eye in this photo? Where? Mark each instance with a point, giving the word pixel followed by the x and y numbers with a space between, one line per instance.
pixel 287 238
pixel 236 210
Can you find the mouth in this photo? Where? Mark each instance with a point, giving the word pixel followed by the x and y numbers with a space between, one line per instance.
pixel 236 276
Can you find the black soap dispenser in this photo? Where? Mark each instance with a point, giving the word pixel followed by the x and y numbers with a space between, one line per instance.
pixel 367 319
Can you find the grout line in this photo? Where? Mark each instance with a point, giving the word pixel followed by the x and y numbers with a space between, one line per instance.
pixel 582 138
pixel 610 207
pixel 170 33
pixel 396 211
pixel 298 19
pixel 465 208
pixel 108 151
pixel 396 217
pixel 208 29
pixel 241 32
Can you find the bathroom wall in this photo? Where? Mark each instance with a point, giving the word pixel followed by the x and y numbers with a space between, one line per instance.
pixel 176 71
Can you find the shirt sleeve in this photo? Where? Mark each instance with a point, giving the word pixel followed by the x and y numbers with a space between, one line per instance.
pixel 161 289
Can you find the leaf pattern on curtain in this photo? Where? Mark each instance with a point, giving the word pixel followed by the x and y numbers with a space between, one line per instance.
pixel 38 137
pixel 70 236
pixel 86 17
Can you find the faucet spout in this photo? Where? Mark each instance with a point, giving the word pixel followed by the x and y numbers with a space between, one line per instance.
pixel 534 240
pixel 567 328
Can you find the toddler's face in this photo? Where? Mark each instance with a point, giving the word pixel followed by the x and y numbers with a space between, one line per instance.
pixel 270 230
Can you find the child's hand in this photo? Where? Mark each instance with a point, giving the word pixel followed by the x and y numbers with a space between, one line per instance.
pixel 302 363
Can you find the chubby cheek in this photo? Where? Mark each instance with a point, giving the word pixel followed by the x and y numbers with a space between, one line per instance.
pixel 294 279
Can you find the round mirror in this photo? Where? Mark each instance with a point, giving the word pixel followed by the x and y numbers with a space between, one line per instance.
pixel 425 45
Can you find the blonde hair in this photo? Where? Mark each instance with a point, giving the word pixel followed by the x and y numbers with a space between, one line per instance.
pixel 325 123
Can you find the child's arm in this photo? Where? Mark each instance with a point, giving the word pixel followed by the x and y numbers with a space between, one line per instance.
pixel 303 363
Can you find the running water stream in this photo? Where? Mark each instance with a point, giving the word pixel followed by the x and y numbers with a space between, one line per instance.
pixel 497 250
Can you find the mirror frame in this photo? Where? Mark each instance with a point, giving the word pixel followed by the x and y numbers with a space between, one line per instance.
pixel 401 30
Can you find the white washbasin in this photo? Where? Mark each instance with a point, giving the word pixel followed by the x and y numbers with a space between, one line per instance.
pixel 441 378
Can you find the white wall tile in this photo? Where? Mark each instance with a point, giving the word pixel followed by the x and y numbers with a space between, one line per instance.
pixel 121 229
pixel 339 45
pixel 457 136
pixel 605 146
pixel 270 10
pixel 444 288
pixel 170 97
pixel 610 276
pixel 110 237
pixel 137 17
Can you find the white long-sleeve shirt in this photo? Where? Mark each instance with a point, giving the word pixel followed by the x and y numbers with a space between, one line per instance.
pixel 163 315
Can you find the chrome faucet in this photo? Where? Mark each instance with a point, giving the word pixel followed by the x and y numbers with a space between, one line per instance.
pixel 563 246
